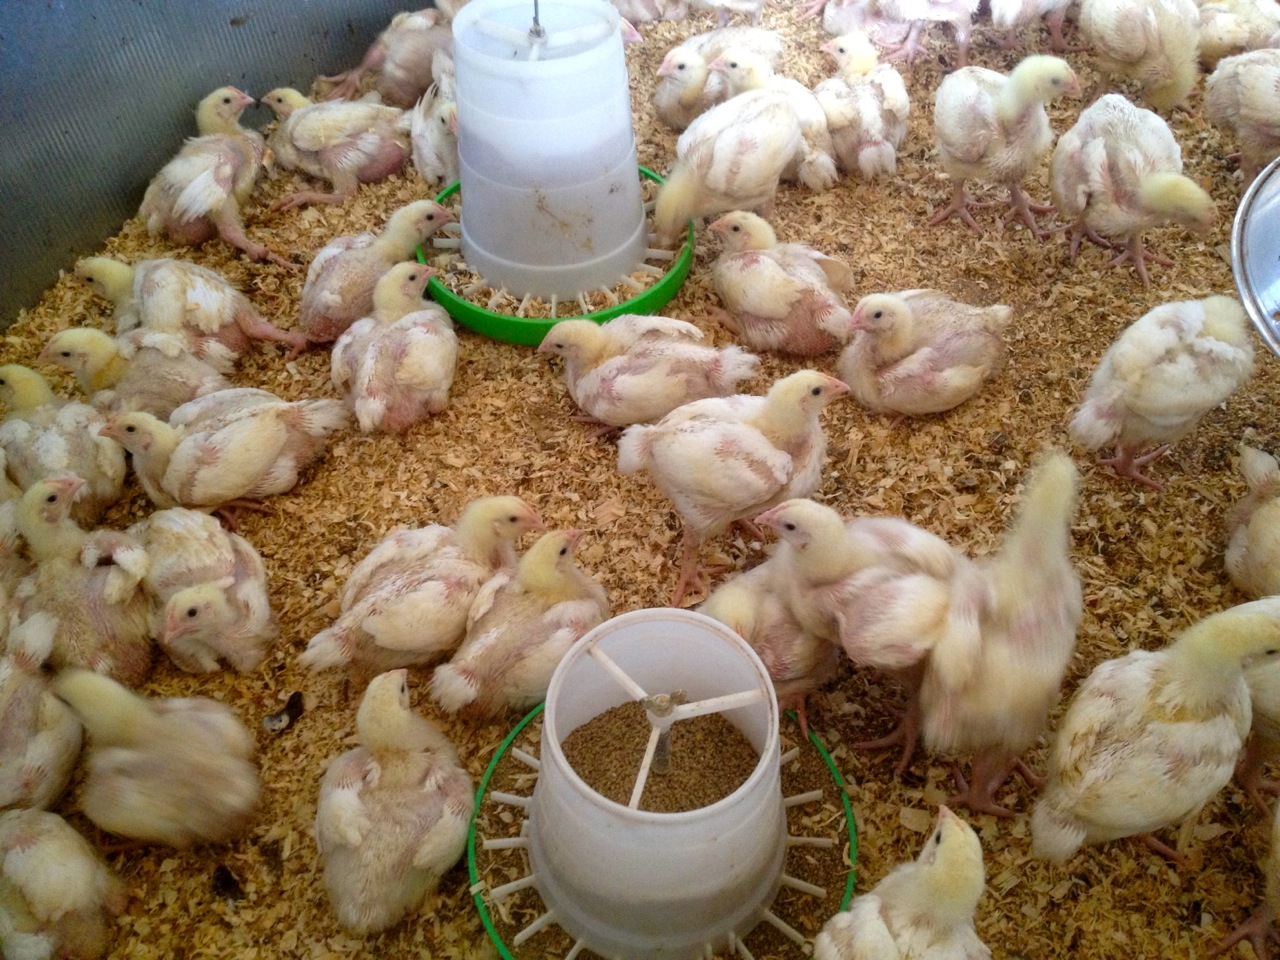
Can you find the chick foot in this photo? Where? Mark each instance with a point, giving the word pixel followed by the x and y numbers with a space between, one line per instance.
pixel 1259 930
pixel 691 575
pixel 1249 772
pixel 905 734
pixel 910 48
pixel 346 85
pixel 1021 207
pixel 989 774
pixel 1125 464
pixel 598 428
pixel 796 702
pixel 1079 231
pixel 1162 848
pixel 1137 254
pixel 959 207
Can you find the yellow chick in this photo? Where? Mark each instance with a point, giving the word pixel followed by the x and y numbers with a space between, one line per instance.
pixel 995 703
pixel 139 370
pixel 393 813
pixel 175 771
pixel 520 626
pixel 1149 738
pixel 994 127
pixel 1152 42
pixel 866 105
pixel 44 435
pixel 57 896
pixel 725 459
pixel 1253 527
pixel 1164 372
pixel 922 910
pixel 401 58
pixel 406 603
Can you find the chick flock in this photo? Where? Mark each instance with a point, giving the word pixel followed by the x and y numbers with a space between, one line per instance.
pixel 960 635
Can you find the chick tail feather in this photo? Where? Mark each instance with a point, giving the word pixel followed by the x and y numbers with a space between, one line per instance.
pixel 324 417
pixel 676 203
pixel 452 688
pixel 1097 423
pixel 735 365
pixel 328 648
pixel 877 158
pixel 1055 834
pixel 633 448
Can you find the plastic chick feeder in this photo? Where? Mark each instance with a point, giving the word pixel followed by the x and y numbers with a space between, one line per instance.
pixel 638 885
pixel 1255 253
pixel 547 162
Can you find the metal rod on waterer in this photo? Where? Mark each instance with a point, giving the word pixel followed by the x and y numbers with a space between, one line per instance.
pixel 537 31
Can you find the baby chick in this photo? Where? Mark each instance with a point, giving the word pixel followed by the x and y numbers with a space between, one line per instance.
pixel 636 369
pixel 406 602
pixel 58 895
pixel 725 459
pixel 198 194
pixel 433 134
pixel 866 106
pixel 918 352
pixel 754 605
pixel 211 587
pixel 340 282
pixel 1231 27
pixel 686 85
pixel 1149 738
pixel 345 143
pixel 1263 744
pixel 922 910
pixel 394 368
pixel 44 435
pixel 139 370
pixel 995 703
pixel 175 771
pixel 1240 95
pixel 521 624
pixel 222 461
pixel 400 58
pixel 779 296
pixel 1164 372
pixel 393 813
pixel 1253 527
pixel 1009 16
pixel 1152 42
pixel 729 158
pixel 215 320
pixel 994 127
pixel 87 586
pixel 39 735
pixel 1118 172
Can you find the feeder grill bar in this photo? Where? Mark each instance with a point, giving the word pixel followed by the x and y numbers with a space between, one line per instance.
pixel 803 886
pixel 578 947
pixel 545 920
pixel 631 284
pixel 619 675
pixel 800 798
pixel 642 777
pixel 657 253
pixel 554 303
pixel 716 704
pixel 495 299
pixel 789 756
pixel 825 842
pixel 650 269
pixel 523 309
pixel 504 891
pixel 506 843
pixel 528 759
pixel 788 931
pixel 740 948
pixel 510 798
pixel 582 302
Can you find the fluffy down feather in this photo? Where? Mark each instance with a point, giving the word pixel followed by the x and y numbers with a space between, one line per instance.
pixel 1253 527
pixel 1243 95
pixel 1155 43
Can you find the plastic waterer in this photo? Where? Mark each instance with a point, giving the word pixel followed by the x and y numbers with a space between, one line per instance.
pixel 638 885
pixel 550 189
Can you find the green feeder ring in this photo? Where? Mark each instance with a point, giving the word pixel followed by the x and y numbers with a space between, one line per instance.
pixel 530 331
pixel 473 872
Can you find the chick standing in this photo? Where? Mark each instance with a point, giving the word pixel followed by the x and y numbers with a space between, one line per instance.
pixel 1118 172
pixel 1253 527
pixel 994 127
pixel 406 603
pixel 635 369
pixel 198 194
pixel 1263 745
pixel 217 321
pixel 521 624
pixel 394 368
pixel 866 106
pixel 1164 372
pixel 1010 15
pixel 1152 42
pixel 393 813
pixel 340 282
pixel 997 704
pixel 1231 27
pixel 1241 95
pixel 918 352
pixel 44 435
pixel 921 910
pixel 345 143
pixel 725 459
pixel 139 370
pixel 1151 737
pixel 780 296
pixel 58 895
pixel 174 771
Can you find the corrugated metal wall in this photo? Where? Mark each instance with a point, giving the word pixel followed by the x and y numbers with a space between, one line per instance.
pixel 97 95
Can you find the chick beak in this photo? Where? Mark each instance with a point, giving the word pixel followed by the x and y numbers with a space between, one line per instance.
pixel 768 518
pixel 838 388
pixel 1073 85
pixel 573 536
pixel 536 522
pixel 858 321
pixel 668 69
pixel 946 815
pixel 110 429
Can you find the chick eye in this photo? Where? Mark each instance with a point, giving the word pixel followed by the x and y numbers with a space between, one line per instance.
pixel 680 66
pixel 877 315
pixel 65 353
pixel 790 526
pixel 413 276
pixel 51 498
pixel 563 551
pixel 1270 653
pixel 733 64
pixel 131 429
pixel 191 612
pixel 513 519
pixel 816 392
pixel 88 279
pixel 736 229
pixel 226 99
pixel 937 839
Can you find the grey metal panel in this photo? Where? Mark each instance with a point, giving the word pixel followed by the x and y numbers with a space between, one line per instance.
pixel 97 95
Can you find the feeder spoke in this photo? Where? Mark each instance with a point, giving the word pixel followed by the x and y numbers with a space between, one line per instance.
pixel 788 756
pixel 799 798
pixel 528 759
pixel 542 921
pixel 784 928
pixel 510 798
pixel 582 303
pixel 504 891
pixel 824 842
pixel 578 947
pixel 619 675
pixel 803 886
pixel 642 777
pixel 506 843
pixel 717 704
pixel 554 303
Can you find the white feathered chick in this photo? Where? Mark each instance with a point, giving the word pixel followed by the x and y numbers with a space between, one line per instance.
pixel 1151 737
pixel 636 369
pixel 1164 372
pixel 1154 43
pixel 1243 95
pixel 521 624
pixel 174 771
pixel 1253 527
pixel 687 86
pixel 394 368
pixel 866 106
pixel 922 910
pixel 1009 16
pixel 400 58
pixel 393 813
pixel 1230 27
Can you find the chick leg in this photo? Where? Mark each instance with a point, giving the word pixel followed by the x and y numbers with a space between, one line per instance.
pixel 301 198
pixel 227 222
pixel 257 328
pixel 1023 208
pixel 1249 771
pixel 1259 930
pixel 910 48
pixel 1057 42
pixel 796 702
pixel 1137 253
pixel 1125 464
pixel 1162 848
pixel 959 206
pixel 690 574
pixel 990 770
pixel 905 734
